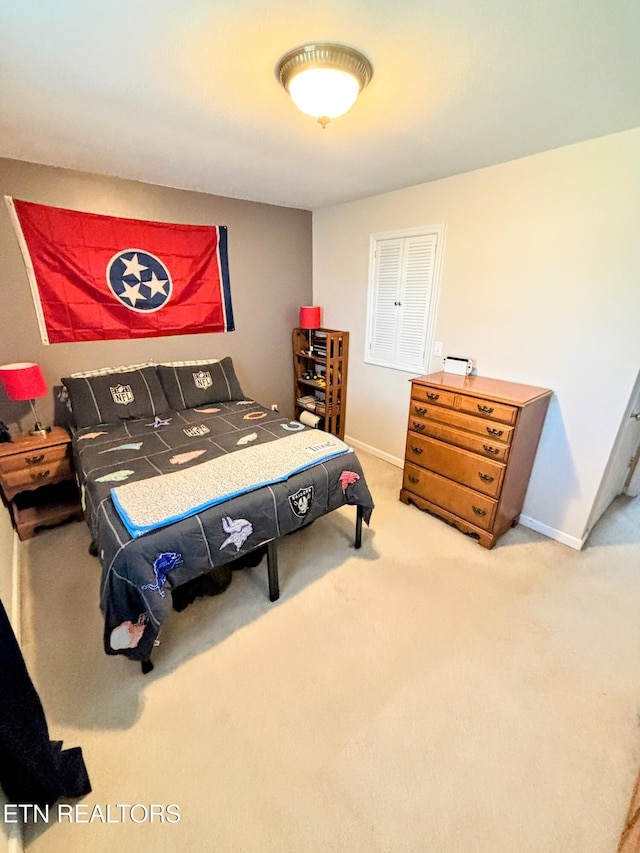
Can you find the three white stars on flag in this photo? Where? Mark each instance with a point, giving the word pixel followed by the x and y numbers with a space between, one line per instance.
pixel 131 292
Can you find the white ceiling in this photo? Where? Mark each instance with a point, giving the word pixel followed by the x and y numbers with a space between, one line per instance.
pixel 183 93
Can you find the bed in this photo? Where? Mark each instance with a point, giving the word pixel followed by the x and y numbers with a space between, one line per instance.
pixel 181 473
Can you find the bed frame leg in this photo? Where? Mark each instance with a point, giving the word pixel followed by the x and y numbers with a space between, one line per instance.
pixel 358 542
pixel 272 568
pixel 146 666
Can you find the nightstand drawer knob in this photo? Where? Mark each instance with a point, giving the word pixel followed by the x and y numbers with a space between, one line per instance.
pixel 486 478
pixel 489 449
pixel 40 475
pixel 418 426
pixel 34 460
pixel 479 511
pixel 413 479
pixel 416 450
pixel 485 409
pixel 432 396
pixel 419 410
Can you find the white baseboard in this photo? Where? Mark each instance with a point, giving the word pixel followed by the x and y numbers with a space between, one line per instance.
pixel 387 457
pixel 525 520
pixel 552 533
pixel 15 842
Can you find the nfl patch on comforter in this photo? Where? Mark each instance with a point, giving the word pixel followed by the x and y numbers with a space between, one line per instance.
pixel 150 504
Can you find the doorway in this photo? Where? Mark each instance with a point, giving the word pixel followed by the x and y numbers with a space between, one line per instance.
pixel 622 474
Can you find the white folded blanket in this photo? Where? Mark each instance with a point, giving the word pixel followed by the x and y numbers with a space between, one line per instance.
pixel 148 504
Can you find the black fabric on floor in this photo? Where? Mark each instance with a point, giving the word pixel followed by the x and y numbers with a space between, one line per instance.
pixel 213 583
pixel 33 768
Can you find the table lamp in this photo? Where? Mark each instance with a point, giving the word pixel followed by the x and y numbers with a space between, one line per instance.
pixel 24 381
pixel 310 319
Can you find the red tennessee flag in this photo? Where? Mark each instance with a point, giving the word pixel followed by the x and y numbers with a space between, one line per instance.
pixel 97 278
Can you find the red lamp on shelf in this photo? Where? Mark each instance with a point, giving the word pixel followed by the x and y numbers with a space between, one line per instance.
pixel 24 381
pixel 310 319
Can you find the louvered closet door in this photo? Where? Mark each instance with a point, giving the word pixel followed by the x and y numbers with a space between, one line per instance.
pixel 402 292
pixel 415 298
pixel 387 286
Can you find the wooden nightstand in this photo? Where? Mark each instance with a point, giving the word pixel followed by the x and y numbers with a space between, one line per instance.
pixel 38 482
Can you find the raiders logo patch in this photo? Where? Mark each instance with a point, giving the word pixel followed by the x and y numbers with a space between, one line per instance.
pixel 300 503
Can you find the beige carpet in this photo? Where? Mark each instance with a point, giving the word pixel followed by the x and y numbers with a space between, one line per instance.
pixel 422 694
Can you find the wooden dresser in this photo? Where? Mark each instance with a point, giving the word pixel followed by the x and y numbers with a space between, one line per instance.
pixel 38 481
pixel 471 442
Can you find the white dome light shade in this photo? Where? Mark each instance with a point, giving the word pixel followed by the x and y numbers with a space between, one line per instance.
pixel 324 80
pixel 324 92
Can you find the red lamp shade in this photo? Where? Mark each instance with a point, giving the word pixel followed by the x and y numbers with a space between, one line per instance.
pixel 23 380
pixel 310 317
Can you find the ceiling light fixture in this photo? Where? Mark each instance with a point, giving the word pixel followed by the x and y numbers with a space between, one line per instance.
pixel 324 79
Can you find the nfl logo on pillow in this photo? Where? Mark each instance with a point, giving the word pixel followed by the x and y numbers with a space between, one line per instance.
pixel 203 379
pixel 122 394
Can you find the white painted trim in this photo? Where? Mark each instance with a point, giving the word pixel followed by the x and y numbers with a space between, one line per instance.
pixel 400 234
pixel 552 533
pixel 386 457
pixel 525 520
pixel 15 843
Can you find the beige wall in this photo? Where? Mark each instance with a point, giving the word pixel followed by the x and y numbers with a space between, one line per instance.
pixel 269 265
pixel 540 285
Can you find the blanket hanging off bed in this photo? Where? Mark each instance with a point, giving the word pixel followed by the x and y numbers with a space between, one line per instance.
pixel 149 504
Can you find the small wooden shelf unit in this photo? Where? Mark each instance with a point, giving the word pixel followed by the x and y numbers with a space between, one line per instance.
pixel 325 394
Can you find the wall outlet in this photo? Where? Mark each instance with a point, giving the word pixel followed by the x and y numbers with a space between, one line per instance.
pixel 437 348
pixel 274 407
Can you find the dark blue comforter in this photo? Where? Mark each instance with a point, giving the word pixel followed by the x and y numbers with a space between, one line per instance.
pixel 138 574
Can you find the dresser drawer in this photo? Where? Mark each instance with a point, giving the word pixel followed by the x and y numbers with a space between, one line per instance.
pixel 32 458
pixel 488 409
pixel 36 475
pixel 459 500
pixel 419 414
pixel 469 469
pixel 492 449
pixel 434 395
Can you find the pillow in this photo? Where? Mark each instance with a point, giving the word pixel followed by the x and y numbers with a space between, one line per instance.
pixel 112 397
pixel 101 371
pixel 198 384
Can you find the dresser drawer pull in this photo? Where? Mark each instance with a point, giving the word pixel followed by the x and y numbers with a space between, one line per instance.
pixel 419 410
pixel 39 475
pixel 494 431
pixel 417 450
pixel 33 460
pixel 418 426
pixel 431 396
pixel 486 478
pixel 489 449
pixel 413 479
pixel 479 511
pixel 485 409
